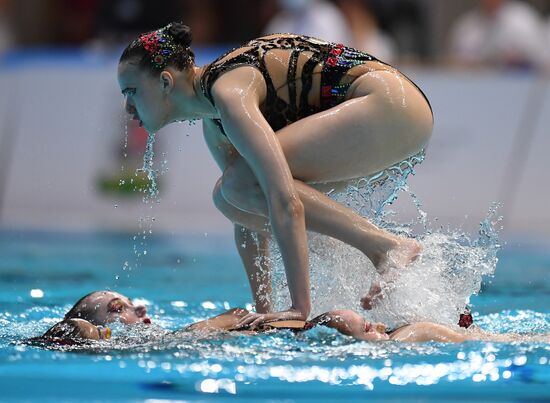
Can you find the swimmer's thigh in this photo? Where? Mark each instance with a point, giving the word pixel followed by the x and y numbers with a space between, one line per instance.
pixel 386 121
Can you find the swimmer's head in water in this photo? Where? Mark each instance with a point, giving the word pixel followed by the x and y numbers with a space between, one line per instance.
pixel 102 307
pixel 148 70
pixel 76 330
pixel 375 331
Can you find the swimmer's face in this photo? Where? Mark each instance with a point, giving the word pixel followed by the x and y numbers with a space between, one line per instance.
pixel 147 95
pixel 104 307
pixel 375 331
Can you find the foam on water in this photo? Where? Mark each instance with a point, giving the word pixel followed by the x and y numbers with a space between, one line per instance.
pixel 148 166
pixel 436 287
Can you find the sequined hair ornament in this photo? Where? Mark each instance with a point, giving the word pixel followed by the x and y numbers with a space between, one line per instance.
pixel 159 45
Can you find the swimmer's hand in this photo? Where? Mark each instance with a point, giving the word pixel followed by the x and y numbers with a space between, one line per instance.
pixel 253 320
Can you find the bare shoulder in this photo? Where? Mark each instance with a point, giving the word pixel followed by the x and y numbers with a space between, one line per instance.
pixel 243 82
pixel 428 331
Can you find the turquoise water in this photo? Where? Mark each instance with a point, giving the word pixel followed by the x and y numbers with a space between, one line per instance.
pixel 184 279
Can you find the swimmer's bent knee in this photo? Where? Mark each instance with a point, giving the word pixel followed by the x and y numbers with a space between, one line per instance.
pixel 217 196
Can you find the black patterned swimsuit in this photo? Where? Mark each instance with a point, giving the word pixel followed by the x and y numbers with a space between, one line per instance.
pixel 337 59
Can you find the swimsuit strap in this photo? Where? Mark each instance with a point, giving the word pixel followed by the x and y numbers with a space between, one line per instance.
pixel 291 80
pixel 255 57
pixel 307 80
pixel 212 72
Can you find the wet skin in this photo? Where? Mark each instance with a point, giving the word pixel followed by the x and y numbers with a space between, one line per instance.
pixel 270 179
pixel 109 307
pixel 75 329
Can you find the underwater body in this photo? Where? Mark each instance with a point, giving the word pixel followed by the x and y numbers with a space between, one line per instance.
pixel 186 279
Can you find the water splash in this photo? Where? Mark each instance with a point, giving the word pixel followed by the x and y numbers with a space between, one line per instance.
pixel 440 284
pixel 151 198
pixel 436 287
pixel 148 168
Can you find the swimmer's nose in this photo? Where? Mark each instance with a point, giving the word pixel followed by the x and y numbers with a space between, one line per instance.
pixel 141 311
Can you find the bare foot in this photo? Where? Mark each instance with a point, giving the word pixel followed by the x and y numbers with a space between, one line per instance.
pixel 406 252
pixel 373 296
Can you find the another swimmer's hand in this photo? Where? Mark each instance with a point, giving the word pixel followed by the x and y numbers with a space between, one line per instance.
pixel 253 320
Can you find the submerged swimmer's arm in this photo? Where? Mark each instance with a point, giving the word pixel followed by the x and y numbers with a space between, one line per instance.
pixel 237 94
pixel 225 321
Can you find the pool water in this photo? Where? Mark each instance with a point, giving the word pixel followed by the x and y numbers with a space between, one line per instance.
pixel 187 278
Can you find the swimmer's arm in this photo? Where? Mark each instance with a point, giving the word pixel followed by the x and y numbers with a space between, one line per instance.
pixel 222 151
pixel 224 154
pixel 427 331
pixel 237 95
pixel 254 256
pixel 226 321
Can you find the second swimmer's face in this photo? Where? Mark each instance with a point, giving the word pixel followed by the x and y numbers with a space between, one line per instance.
pixel 145 96
pixel 103 307
pixel 375 331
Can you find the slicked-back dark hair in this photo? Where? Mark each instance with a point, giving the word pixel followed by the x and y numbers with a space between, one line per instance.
pixel 180 57
pixel 81 310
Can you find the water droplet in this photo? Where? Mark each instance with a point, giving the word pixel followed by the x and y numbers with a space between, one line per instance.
pixel 37 293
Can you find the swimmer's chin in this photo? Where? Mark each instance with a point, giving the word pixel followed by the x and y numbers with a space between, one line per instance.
pixel 152 129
